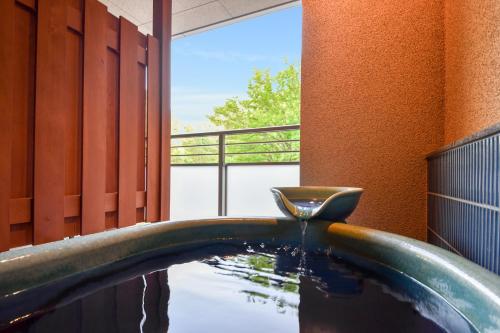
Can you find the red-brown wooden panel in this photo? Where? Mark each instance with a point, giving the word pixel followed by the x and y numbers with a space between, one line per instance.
pixel 112 133
pixel 72 213
pixel 73 89
pixel 162 29
pixel 113 33
pixel 74 19
pixel 72 205
pixel 140 200
pixel 20 233
pixel 113 39
pixel 141 55
pixel 142 41
pixel 94 117
pixel 7 8
pixel 22 125
pixel 154 130
pixel 50 107
pixel 141 135
pixel 72 226
pixel 127 175
pixel 111 202
pixel 27 3
pixel 20 210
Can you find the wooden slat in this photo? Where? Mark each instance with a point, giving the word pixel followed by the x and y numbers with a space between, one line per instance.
pixel 141 55
pixel 112 39
pixel 154 130
pixel 112 111
pixel 141 135
pixel 94 118
pixel 142 40
pixel 111 36
pixel 21 234
pixel 27 3
pixel 111 202
pixel 50 122
pixel 6 107
pixel 75 20
pixel 23 118
pixel 113 75
pixel 72 204
pixel 20 210
pixel 73 91
pixel 127 180
pixel 162 29
pixel 113 32
pixel 140 199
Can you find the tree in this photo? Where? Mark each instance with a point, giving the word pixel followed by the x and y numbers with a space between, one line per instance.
pixel 272 101
pixel 192 150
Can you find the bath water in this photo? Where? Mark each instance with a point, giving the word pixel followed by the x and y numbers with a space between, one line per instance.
pixel 233 289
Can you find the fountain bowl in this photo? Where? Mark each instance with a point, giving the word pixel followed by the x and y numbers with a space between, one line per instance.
pixel 317 202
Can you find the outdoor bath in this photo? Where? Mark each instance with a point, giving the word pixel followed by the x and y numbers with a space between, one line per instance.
pixel 139 141
pixel 245 275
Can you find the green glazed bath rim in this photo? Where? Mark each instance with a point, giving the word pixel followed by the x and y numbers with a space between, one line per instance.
pixel 470 289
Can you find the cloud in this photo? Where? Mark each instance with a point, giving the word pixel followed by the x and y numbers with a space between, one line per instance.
pixel 226 56
pixel 193 105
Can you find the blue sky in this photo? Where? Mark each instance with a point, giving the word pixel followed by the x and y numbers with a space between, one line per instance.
pixel 209 67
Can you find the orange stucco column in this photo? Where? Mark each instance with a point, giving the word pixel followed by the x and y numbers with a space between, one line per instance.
pixel 472 67
pixel 372 104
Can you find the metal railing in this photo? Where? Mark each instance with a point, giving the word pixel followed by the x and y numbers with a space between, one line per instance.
pixel 278 145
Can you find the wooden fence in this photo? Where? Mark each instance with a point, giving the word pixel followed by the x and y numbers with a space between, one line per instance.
pixel 83 123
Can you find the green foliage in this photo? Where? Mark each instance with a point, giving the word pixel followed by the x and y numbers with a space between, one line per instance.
pixel 272 101
pixel 183 148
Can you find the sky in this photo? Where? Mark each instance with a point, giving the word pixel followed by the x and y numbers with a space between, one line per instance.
pixel 209 67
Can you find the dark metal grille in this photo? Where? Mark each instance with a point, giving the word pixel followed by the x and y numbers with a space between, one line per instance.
pixel 463 200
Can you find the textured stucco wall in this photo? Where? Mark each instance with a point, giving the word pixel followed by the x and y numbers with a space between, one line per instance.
pixel 372 101
pixel 472 98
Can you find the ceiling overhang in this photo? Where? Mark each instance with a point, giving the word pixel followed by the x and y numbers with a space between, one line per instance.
pixel 194 16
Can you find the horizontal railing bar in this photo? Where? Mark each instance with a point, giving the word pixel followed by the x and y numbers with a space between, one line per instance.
pixel 194 164
pixel 234 144
pixel 263 163
pixel 181 155
pixel 259 142
pixel 236 164
pixel 200 145
pixel 265 152
pixel 241 153
pixel 238 131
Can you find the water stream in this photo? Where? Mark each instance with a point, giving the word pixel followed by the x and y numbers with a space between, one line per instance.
pixel 302 263
pixel 306 209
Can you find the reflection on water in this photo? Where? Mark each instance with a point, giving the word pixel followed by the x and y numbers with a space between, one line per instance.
pixel 227 291
pixel 306 207
pixel 265 285
pixel 307 203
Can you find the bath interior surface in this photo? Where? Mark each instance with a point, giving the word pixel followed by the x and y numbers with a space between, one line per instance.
pixel 242 289
pixel 245 275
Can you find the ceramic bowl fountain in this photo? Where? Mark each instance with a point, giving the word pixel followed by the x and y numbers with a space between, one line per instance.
pixel 314 202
